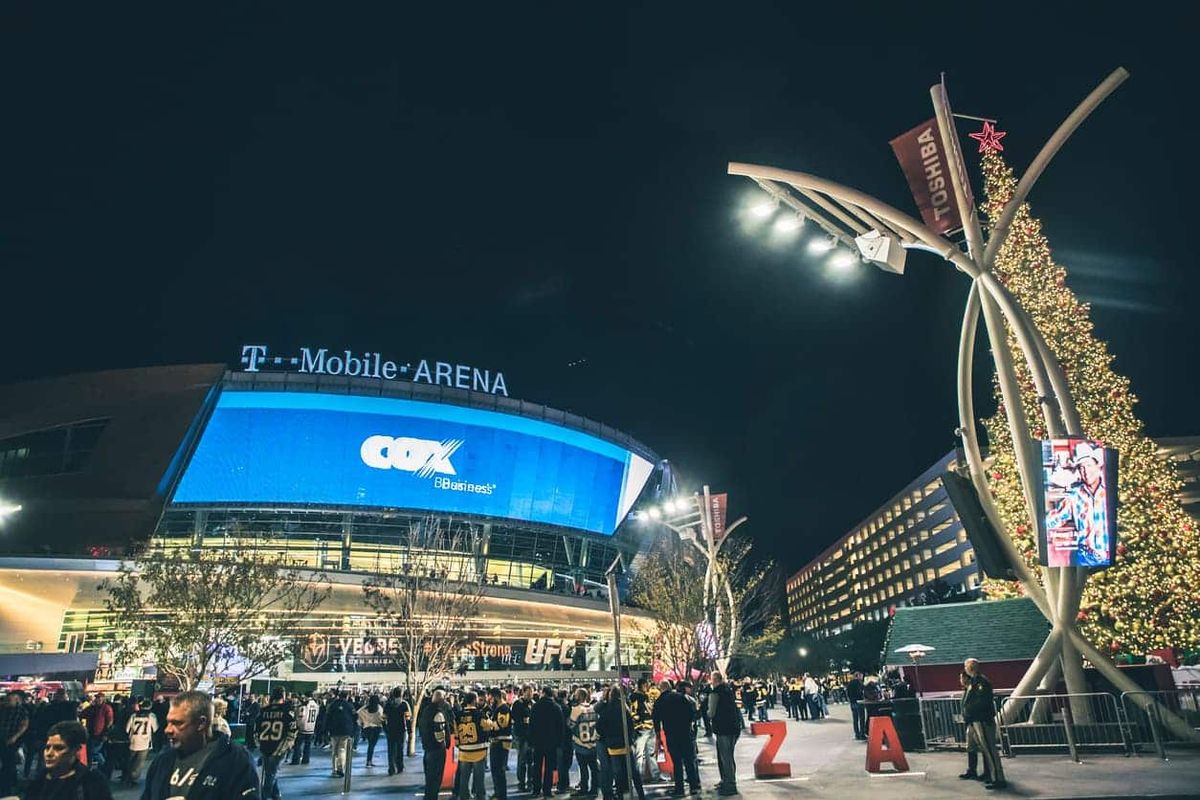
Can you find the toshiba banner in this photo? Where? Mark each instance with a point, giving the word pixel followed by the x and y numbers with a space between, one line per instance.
pixel 927 169
pixel 719 503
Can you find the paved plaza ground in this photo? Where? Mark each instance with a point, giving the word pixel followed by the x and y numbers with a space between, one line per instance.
pixel 827 763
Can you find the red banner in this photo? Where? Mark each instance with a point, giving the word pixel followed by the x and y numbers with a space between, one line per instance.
pixel 718 504
pixel 926 165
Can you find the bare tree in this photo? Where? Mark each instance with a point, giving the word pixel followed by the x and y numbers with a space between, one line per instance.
pixel 427 606
pixel 670 582
pixel 208 613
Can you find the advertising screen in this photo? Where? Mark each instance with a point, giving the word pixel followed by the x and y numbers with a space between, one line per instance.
pixel 330 449
pixel 1078 527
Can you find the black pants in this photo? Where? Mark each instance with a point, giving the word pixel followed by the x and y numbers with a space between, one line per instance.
pixel 859 715
pixel 395 742
pixel 435 764
pixel 372 737
pixel 589 770
pixel 545 761
pixel 683 755
pixel 302 749
pixel 498 760
pixel 565 754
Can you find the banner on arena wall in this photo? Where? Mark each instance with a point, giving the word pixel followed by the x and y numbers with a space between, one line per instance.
pixel 321 652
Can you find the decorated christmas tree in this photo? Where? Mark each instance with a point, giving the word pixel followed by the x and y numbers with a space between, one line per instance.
pixel 1150 598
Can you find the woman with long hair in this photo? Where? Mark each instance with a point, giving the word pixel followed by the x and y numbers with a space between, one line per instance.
pixel 370 719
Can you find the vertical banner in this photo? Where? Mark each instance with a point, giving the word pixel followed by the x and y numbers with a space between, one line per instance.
pixel 927 168
pixel 718 504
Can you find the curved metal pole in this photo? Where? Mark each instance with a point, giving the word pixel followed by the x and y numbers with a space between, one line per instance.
pixel 1048 151
pixel 892 216
pixel 974 455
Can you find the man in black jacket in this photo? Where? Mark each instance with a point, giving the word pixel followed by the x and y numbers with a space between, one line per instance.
pixel 521 708
pixel 858 713
pixel 433 726
pixel 546 726
pixel 196 765
pixel 727 724
pixel 979 715
pixel 673 715
pixel 339 723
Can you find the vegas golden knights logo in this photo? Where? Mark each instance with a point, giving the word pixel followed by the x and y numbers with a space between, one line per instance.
pixel 315 652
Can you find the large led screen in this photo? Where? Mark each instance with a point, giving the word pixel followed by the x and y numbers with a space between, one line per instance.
pixel 1078 527
pixel 329 449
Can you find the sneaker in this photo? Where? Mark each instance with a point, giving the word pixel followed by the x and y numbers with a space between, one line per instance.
pixel 969 776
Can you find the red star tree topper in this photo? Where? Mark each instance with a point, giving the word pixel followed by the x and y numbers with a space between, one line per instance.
pixel 989 138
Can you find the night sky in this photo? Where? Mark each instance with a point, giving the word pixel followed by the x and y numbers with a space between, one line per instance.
pixel 542 190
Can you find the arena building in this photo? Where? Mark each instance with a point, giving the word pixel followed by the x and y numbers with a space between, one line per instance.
pixel 334 468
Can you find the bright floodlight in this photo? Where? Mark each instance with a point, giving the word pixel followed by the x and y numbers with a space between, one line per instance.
pixel 765 209
pixel 684 503
pixel 818 246
pixel 670 506
pixel 654 513
pixel 803 652
pixel 789 224
pixel 843 260
pixel 8 508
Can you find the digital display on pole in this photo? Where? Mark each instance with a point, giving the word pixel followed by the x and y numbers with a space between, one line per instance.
pixel 1078 526
pixel 344 450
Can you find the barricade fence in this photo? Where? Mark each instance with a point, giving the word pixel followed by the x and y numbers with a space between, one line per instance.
pixel 1146 715
pixel 1131 723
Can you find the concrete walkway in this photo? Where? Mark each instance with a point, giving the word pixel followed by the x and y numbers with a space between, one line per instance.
pixel 826 763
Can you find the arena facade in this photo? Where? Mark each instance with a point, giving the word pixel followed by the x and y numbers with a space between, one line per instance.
pixel 333 462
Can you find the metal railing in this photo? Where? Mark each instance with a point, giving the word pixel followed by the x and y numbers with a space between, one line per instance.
pixel 942 723
pixel 1144 717
pixel 1132 723
pixel 1058 721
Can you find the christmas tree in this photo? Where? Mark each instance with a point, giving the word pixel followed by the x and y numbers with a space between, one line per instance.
pixel 1150 598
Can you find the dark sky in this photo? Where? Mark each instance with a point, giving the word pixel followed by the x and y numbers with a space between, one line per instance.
pixel 524 189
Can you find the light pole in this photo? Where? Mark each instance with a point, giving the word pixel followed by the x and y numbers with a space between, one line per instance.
pixel 883 233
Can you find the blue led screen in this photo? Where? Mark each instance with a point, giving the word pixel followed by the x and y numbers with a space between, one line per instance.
pixel 330 449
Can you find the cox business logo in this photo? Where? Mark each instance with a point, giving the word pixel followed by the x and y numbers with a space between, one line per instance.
pixel 425 458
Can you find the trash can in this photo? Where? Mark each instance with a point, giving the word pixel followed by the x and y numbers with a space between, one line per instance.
pixel 906 714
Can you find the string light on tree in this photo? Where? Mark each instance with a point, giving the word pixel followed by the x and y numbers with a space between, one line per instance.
pixel 1150 598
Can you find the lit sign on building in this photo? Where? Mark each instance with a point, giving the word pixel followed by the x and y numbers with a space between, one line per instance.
pixel 369 364
pixel 312 448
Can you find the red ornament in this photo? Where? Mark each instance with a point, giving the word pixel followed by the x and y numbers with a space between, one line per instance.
pixel 989 138
pixel 997 475
pixel 1121 548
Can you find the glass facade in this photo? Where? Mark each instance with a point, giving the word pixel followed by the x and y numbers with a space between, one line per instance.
pixel 518 557
pixel 909 548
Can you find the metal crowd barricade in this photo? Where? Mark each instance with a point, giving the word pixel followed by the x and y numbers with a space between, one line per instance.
pixel 1144 715
pixel 942 723
pixel 1062 722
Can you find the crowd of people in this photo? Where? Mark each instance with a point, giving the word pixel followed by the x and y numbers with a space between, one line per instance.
pixel 611 734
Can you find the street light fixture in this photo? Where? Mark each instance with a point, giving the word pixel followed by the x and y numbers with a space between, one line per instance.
pixel 803 652
pixel 7 509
